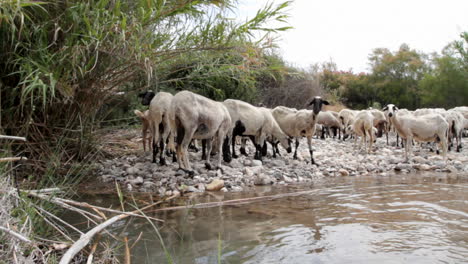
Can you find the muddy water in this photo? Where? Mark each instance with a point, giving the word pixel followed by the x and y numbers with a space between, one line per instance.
pixel 397 219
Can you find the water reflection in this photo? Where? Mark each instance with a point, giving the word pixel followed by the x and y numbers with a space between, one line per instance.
pixel 411 219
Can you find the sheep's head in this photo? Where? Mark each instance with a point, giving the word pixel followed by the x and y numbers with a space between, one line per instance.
pixel 317 103
pixel 146 97
pixel 286 144
pixel 381 127
pixel 390 110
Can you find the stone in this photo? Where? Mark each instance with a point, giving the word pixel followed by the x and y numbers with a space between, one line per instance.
pixel 131 170
pixel 255 163
pixel 248 172
pixel 262 179
pixel 278 163
pixel 237 189
pixel 224 189
pixel 235 164
pixel 343 172
pixel 215 185
pixel 201 187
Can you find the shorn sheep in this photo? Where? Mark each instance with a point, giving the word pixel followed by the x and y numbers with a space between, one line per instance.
pixel 300 123
pixel 193 116
pixel 159 105
pixel 256 122
pixel 427 128
pixel 363 126
pixel 328 121
pixel 145 125
pixel 456 123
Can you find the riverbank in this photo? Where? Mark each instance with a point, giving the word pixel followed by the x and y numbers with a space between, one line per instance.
pixel 132 168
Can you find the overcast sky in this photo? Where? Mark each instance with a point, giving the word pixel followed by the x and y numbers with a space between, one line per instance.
pixel 347 31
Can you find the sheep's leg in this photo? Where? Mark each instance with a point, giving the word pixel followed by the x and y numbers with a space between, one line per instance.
pixel 309 143
pixel 155 150
pixel 323 132
pixel 408 148
pixel 243 144
pixel 188 135
pixel 459 144
pixel 204 143
pixel 233 142
pixel 209 144
pixel 273 147
pixel 295 151
pixel 226 151
pixel 162 161
pixel 264 149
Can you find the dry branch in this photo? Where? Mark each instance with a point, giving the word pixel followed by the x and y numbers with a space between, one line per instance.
pixel 11 159
pixel 86 238
pixel 12 137
pixel 235 201
pixel 15 234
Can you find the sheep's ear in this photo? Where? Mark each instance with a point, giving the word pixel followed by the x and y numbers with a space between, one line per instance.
pixel 395 108
pixel 385 108
pixel 325 102
pixel 311 102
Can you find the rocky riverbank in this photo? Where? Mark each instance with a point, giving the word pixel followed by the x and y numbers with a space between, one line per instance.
pixel 135 172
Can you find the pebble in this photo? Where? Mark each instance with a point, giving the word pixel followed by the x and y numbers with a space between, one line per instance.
pixel 335 158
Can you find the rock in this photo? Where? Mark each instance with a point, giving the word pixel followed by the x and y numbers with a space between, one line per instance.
pixel 255 163
pixel 201 187
pixel 131 170
pixel 235 164
pixel 248 172
pixel 236 189
pixel 168 193
pixel 403 166
pixel 278 163
pixel 129 187
pixel 343 172
pixel 287 179
pixel 424 167
pixel 139 180
pixel 148 185
pixel 215 185
pixel 224 189
pixel 191 189
pixel 180 173
pixel 176 193
pixel 262 179
pixel 419 159
pixel 451 169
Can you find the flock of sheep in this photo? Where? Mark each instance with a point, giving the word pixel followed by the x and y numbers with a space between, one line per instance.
pixel 177 120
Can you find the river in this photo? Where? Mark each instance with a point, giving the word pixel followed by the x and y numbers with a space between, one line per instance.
pixel 417 218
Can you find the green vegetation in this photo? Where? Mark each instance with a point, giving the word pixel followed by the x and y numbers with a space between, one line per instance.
pixel 407 78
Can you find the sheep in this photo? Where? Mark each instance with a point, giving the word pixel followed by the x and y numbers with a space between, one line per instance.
pixel 159 121
pixel 363 126
pixel 390 126
pixel 274 134
pixel 144 116
pixel 300 123
pixel 346 117
pixel 193 116
pixel 456 125
pixel 328 120
pixel 256 122
pixel 423 129
pixel 379 122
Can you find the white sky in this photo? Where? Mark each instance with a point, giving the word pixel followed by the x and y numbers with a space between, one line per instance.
pixel 347 31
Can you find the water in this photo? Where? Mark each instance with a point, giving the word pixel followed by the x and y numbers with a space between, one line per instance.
pixel 398 219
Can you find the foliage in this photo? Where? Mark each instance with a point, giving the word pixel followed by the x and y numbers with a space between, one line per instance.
pixel 62 61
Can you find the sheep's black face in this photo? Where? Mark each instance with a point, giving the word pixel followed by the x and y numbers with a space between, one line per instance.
pixel 391 109
pixel 146 97
pixel 317 104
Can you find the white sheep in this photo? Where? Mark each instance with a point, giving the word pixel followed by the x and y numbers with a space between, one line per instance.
pixel 327 119
pixel 363 126
pixel 456 125
pixel 256 122
pixel 380 122
pixel 425 128
pixel 300 123
pixel 346 117
pixel 144 116
pixel 193 116
pixel 159 105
